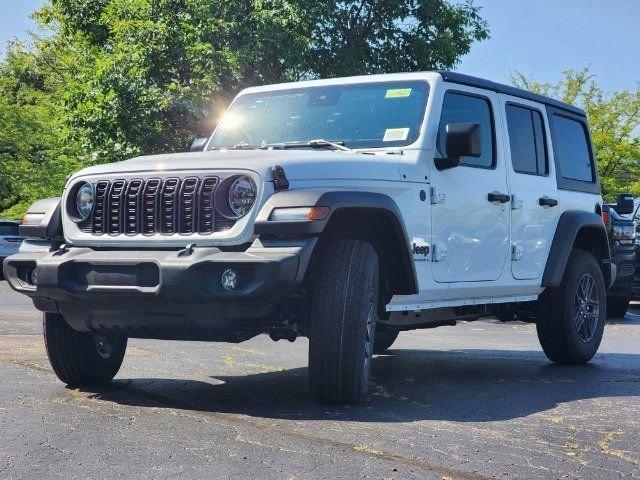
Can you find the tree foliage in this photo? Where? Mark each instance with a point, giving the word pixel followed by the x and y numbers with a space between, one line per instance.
pixel 104 80
pixel 614 120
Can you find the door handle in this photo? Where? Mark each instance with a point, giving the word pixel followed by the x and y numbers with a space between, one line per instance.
pixel 498 197
pixel 547 202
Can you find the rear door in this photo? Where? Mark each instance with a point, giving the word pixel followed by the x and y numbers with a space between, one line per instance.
pixel 534 207
pixel 470 230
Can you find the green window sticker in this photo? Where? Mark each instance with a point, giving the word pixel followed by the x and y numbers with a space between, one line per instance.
pixel 398 93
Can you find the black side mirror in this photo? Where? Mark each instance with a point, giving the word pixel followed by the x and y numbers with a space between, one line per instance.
pixel 462 140
pixel 198 144
pixel 624 205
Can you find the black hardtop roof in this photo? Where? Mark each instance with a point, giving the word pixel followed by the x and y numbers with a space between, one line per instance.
pixel 462 79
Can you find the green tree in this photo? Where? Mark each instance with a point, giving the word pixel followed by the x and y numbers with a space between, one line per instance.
pixel 106 80
pixel 34 160
pixel 149 73
pixel 614 120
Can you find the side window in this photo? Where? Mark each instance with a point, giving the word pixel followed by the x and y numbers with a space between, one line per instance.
pixel 572 149
pixel 527 141
pixel 461 108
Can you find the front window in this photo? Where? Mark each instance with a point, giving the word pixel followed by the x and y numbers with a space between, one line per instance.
pixel 366 115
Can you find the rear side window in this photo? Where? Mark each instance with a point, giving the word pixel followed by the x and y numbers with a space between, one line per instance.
pixel 461 108
pixel 527 140
pixel 572 149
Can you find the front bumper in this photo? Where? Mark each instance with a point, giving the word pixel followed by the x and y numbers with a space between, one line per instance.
pixel 625 263
pixel 163 293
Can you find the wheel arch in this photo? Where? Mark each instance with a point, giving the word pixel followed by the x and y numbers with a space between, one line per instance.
pixel 369 216
pixel 582 230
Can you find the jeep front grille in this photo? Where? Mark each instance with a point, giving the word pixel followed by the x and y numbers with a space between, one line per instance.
pixel 155 206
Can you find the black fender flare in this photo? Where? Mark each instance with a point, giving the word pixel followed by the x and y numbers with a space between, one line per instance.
pixel 43 219
pixel 572 226
pixel 337 201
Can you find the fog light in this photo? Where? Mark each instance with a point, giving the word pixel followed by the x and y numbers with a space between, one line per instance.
pixel 33 276
pixel 229 279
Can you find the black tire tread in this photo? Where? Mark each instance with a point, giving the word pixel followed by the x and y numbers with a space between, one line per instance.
pixel 73 355
pixel 557 334
pixel 340 298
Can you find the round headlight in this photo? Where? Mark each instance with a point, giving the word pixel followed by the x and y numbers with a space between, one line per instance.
pixel 84 200
pixel 242 195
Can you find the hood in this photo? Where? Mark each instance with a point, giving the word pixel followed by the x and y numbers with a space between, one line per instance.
pixel 298 164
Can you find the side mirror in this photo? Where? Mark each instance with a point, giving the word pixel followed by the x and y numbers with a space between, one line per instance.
pixel 624 205
pixel 462 140
pixel 198 144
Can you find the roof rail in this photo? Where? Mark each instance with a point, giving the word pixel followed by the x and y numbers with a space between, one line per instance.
pixel 462 79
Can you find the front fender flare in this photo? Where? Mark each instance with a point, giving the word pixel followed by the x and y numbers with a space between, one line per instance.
pixel 43 219
pixel 337 201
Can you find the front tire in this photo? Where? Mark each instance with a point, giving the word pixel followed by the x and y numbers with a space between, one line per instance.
pixel 343 322
pixel 81 359
pixel 617 306
pixel 571 317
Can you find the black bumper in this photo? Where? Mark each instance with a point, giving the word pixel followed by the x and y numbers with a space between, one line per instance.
pixel 163 294
pixel 626 265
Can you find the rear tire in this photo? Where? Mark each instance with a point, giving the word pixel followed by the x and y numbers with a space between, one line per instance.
pixel 81 359
pixel 571 317
pixel 384 340
pixel 617 306
pixel 343 322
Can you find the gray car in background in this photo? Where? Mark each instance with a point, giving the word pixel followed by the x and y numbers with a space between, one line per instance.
pixel 10 240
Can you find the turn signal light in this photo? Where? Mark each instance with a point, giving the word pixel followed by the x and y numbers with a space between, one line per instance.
pixel 299 214
pixel 318 213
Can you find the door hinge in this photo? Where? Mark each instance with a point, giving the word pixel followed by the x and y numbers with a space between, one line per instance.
pixel 439 253
pixel 436 197
pixel 517 252
pixel 516 203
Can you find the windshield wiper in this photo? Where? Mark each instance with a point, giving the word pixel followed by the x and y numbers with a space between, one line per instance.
pixel 318 143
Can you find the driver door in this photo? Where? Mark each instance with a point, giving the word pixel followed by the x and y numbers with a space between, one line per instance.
pixel 471 206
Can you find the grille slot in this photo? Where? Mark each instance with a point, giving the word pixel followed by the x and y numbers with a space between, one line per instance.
pixel 168 209
pixel 150 204
pixel 97 220
pixel 115 210
pixel 188 205
pixel 206 211
pixel 171 206
pixel 131 216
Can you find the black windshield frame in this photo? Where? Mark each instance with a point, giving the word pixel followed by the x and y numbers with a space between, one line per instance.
pixel 421 100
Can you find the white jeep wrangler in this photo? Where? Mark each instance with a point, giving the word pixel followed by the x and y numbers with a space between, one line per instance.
pixel 342 210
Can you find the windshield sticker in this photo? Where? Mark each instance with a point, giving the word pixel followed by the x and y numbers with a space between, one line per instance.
pixel 395 134
pixel 398 93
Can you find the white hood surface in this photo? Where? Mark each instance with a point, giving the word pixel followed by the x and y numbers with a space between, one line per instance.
pixel 298 164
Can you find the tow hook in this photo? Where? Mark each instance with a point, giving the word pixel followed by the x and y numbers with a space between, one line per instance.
pixel 188 250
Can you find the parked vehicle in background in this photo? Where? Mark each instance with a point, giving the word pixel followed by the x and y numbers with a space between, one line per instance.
pixel 342 210
pixel 622 242
pixel 635 286
pixel 10 240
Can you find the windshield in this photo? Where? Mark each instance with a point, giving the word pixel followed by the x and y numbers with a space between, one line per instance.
pixel 365 115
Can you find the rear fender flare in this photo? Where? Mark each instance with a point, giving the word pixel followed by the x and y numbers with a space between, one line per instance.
pixel 577 229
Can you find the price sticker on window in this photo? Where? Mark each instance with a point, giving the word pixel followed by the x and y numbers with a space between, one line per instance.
pixel 395 134
pixel 398 93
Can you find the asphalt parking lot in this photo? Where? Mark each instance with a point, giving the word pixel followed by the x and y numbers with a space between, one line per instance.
pixel 475 401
